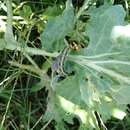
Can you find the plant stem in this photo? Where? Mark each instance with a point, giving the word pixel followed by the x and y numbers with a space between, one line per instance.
pixel 9 15
pixel 9 38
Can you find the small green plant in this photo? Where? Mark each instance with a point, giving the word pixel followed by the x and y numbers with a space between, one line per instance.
pixel 87 50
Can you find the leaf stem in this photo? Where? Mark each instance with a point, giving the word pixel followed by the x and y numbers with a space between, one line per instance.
pixel 27 67
pixel 84 7
pixel 109 72
pixel 9 37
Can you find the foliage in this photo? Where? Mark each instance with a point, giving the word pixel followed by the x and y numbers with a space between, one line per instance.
pixel 96 85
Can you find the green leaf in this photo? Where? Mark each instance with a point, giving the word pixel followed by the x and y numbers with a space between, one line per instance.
pixel 107 108
pixel 100 27
pixel 59 109
pixel 121 94
pixel 26 12
pixel 113 68
pixel 56 111
pixel 68 85
pixel 103 65
pixel 87 92
pixel 57 28
pixel 71 100
pixel 38 86
pixel 72 109
pixel 52 11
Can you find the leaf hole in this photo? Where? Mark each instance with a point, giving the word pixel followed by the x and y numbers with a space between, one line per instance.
pixel 84 18
pixel 68 113
pixel 72 73
pixel 61 78
pixel 86 79
pixel 101 77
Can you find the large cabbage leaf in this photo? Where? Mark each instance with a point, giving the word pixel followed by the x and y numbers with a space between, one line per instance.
pixel 102 73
